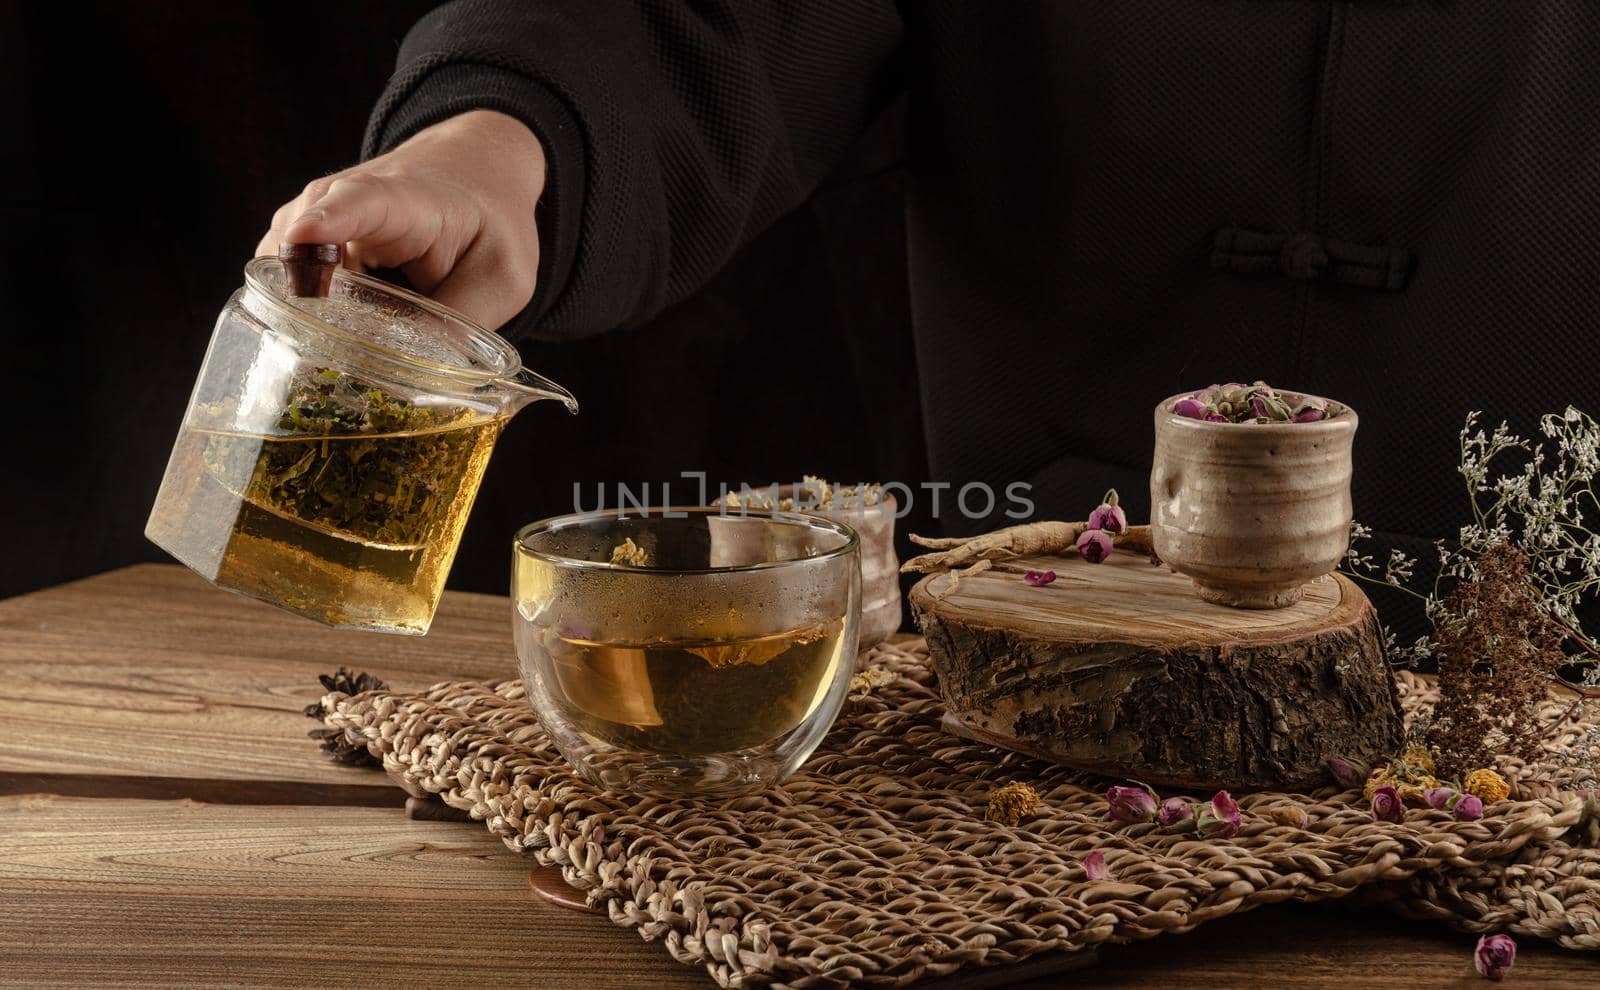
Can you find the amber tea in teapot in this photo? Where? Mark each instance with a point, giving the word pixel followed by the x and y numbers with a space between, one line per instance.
pixel 334 444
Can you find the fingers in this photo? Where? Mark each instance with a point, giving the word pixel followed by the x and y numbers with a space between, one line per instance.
pixel 452 208
pixel 491 286
pixel 366 208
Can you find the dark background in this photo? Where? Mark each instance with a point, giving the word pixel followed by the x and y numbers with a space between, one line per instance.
pixel 146 147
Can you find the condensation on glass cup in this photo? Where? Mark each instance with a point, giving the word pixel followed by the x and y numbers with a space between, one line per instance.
pixel 686 651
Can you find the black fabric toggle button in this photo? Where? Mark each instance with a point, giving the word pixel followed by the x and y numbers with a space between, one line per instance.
pixel 1302 257
pixel 1309 257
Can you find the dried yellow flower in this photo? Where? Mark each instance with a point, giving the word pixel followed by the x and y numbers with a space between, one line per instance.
pixel 1487 786
pixel 1420 756
pixel 1409 782
pixel 1012 803
pixel 871 679
pixel 629 554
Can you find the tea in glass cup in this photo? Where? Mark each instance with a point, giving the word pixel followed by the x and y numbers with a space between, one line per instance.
pixel 681 651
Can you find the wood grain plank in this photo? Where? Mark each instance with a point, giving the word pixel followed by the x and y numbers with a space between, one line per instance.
pixel 150 675
pixel 164 612
pixel 1126 599
pixel 150 671
pixel 158 893
pixel 1325 945
pixel 165 893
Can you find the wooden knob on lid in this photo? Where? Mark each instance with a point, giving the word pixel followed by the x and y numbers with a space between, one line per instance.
pixel 309 267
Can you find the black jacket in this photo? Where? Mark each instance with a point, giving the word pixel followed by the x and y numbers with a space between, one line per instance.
pixel 1392 203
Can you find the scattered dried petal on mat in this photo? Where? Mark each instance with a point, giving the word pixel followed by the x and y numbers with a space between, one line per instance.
pixel 865 681
pixel 1094 866
pixel 1291 815
pixel 1176 813
pixel 1495 955
pixel 1387 805
pixel 1010 804
pixel 1039 578
pixel 1220 819
pixel 1487 786
pixel 1131 805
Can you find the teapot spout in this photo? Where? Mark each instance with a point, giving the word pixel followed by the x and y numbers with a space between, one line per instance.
pixel 526 386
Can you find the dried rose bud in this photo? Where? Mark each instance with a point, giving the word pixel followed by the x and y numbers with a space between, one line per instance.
pixel 1220 819
pixel 1387 806
pixel 1176 813
pixel 1309 410
pixel 1494 956
pixel 1192 408
pixel 1094 545
pixel 1094 866
pixel 1291 815
pixel 1039 578
pixel 1212 417
pixel 1348 772
pixel 1108 515
pixel 1468 807
pixel 1268 408
pixel 1131 805
pixel 1439 798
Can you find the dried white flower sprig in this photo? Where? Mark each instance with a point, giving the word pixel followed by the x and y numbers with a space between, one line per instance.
pixel 1543 509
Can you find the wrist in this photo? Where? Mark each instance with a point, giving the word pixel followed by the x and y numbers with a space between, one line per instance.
pixel 492 117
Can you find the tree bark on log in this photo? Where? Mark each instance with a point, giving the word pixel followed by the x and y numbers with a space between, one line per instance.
pixel 1120 669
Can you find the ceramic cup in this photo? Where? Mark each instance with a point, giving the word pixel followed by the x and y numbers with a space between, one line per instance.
pixel 1250 512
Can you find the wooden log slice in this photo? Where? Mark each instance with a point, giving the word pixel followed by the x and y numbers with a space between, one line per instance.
pixel 1119 668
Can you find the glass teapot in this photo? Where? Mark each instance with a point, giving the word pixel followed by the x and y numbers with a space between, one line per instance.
pixel 334 443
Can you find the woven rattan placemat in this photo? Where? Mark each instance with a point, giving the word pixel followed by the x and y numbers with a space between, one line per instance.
pixel 874 865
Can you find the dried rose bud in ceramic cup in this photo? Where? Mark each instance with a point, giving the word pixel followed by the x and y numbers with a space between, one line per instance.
pixel 1251 511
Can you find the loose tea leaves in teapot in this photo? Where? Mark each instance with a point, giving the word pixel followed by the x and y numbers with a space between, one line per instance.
pixel 357 460
pixel 346 509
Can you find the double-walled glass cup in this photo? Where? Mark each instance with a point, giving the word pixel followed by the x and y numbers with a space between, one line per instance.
pixel 686 651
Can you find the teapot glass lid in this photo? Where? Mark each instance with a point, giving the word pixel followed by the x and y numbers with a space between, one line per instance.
pixel 392 322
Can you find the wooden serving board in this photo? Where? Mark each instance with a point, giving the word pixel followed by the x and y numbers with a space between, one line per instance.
pixel 1121 669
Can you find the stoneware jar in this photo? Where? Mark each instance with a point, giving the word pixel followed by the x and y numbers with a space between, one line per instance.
pixel 1250 512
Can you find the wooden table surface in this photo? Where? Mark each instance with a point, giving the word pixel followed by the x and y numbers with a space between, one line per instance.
pixel 164 821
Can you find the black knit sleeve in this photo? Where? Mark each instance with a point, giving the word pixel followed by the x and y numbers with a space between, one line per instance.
pixel 675 130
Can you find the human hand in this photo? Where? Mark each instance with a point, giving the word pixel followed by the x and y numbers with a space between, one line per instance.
pixel 452 208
